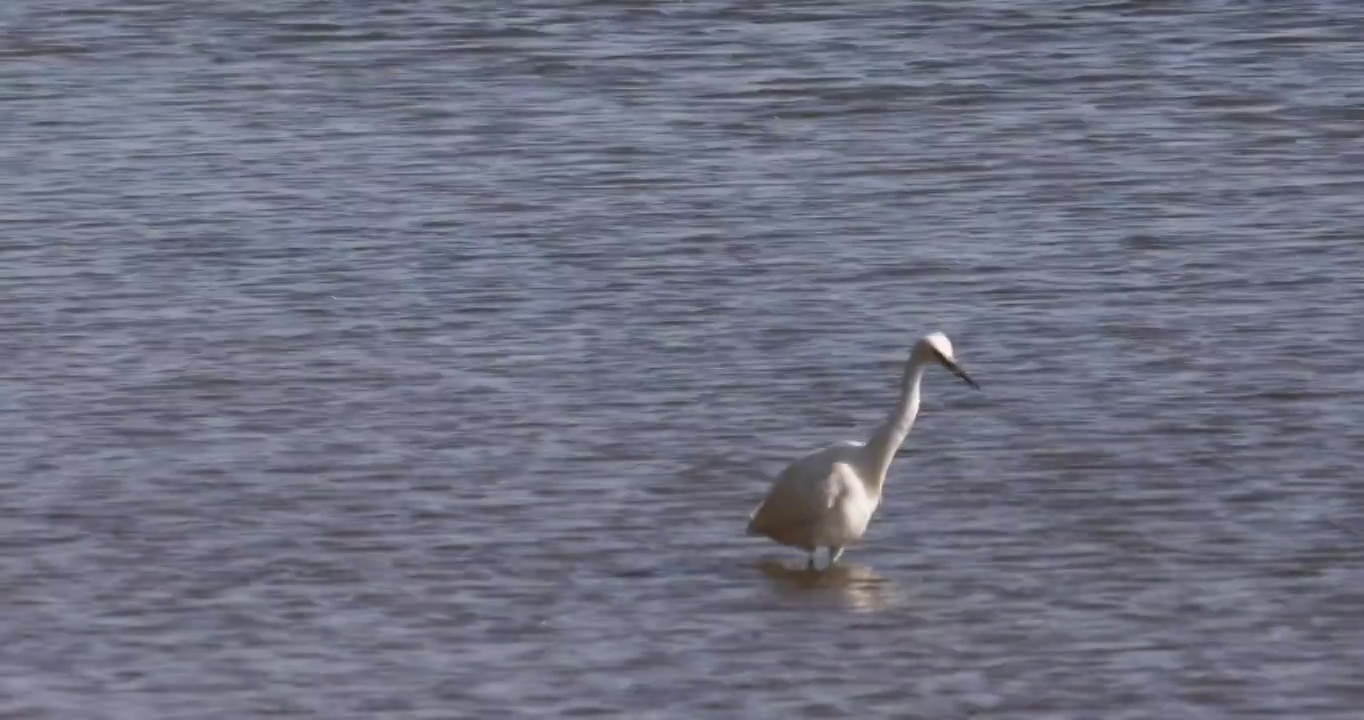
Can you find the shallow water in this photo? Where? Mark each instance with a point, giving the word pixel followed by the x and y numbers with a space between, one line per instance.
pixel 426 361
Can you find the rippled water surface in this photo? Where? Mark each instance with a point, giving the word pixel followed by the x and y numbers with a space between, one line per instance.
pixel 425 359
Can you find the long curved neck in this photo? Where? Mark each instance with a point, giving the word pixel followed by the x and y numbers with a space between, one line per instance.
pixel 890 434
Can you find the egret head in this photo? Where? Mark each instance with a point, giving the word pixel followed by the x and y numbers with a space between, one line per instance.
pixel 936 347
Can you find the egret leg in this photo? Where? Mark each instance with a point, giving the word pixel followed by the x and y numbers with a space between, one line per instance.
pixel 834 554
pixel 810 564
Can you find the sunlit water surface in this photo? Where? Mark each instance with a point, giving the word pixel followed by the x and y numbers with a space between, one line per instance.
pixel 424 360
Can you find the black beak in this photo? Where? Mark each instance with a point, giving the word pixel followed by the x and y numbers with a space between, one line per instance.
pixel 956 370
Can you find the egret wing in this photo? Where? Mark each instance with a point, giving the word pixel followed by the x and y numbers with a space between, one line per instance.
pixel 801 496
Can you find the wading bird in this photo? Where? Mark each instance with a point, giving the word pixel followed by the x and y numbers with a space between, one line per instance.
pixel 826 498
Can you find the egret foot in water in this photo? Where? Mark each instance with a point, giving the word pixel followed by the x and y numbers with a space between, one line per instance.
pixel 834 554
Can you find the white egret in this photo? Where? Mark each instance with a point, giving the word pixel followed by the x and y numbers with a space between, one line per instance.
pixel 826 498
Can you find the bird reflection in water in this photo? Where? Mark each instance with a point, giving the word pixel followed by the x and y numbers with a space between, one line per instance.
pixel 857 586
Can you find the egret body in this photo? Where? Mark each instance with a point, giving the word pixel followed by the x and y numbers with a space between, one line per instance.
pixel 827 498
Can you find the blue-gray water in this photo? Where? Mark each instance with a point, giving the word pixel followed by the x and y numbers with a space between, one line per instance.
pixel 425 359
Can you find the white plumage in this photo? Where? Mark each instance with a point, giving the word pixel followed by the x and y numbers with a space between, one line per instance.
pixel 827 498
